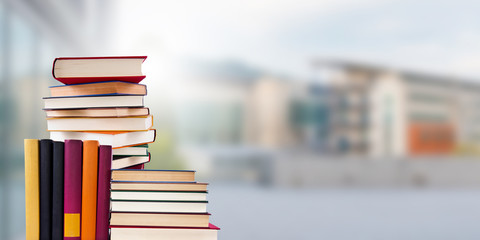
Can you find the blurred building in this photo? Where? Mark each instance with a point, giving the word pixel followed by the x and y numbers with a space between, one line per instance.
pixel 384 112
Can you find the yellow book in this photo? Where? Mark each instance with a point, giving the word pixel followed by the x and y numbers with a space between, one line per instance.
pixel 32 193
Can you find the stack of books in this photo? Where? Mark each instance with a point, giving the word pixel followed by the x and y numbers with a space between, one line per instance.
pixel 67 189
pixel 159 204
pixel 98 122
pixel 102 100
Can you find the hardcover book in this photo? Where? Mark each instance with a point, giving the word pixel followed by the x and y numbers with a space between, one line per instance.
pixel 154 175
pixel 99 88
pixel 46 162
pixel 89 189
pixel 74 70
pixel 32 187
pixel 98 101
pixel 177 233
pixel 159 206
pixel 159 186
pixel 72 189
pixel 160 219
pixel 57 190
pixel 103 191
pixel 124 162
pixel 100 124
pixel 115 139
pixel 98 112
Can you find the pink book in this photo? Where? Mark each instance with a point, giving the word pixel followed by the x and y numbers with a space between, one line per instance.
pixel 72 189
pixel 103 191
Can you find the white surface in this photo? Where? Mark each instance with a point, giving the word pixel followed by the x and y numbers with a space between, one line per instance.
pixel 261 213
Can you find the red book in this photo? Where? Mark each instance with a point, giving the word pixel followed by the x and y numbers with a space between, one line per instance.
pixel 75 70
pixel 138 167
pixel 103 191
pixel 72 189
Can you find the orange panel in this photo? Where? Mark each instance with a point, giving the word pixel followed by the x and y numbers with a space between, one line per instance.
pixel 431 138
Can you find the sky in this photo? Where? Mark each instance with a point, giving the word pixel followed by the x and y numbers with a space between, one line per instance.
pixel 283 37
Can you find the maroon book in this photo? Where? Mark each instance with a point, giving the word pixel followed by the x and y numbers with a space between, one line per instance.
pixel 103 191
pixel 137 167
pixel 72 205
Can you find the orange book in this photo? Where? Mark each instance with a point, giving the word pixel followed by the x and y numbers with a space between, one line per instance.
pixel 89 189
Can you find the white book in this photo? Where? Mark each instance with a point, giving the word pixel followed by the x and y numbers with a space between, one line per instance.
pixel 158 195
pixel 93 102
pixel 100 124
pixel 131 151
pixel 154 233
pixel 129 161
pixel 115 140
pixel 159 206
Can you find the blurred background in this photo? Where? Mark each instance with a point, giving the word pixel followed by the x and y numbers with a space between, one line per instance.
pixel 309 119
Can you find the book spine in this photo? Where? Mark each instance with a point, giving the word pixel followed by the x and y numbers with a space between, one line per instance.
pixel 46 162
pixel 72 189
pixel 103 191
pixel 32 195
pixel 89 189
pixel 57 190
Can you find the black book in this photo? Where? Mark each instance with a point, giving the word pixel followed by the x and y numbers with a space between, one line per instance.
pixel 57 190
pixel 45 162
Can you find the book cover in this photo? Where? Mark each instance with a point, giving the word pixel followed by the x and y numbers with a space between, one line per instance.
pixel 32 194
pixel 46 162
pixel 103 191
pixel 89 189
pixel 57 190
pixel 72 189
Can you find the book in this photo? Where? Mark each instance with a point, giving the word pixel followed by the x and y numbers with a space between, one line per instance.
pixel 74 70
pixel 154 175
pixel 57 190
pixel 151 233
pixel 103 191
pixel 46 162
pixel 137 167
pixel 72 204
pixel 114 139
pixel 98 88
pixel 89 189
pixel 123 162
pixel 158 195
pixel 32 189
pixel 159 219
pixel 159 206
pixel 140 150
pixel 98 112
pixel 159 186
pixel 99 101
pixel 100 124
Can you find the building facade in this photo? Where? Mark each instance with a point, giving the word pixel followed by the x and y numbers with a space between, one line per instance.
pixel 380 112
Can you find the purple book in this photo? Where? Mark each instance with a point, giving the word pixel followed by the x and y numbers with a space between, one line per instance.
pixel 103 191
pixel 72 189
